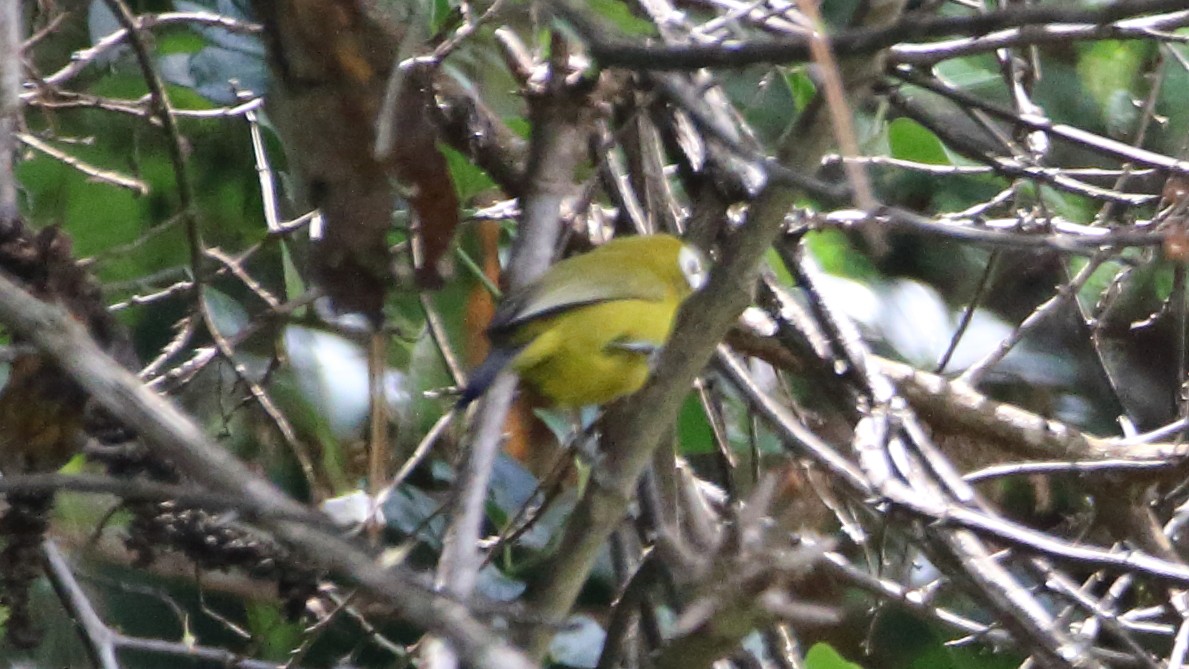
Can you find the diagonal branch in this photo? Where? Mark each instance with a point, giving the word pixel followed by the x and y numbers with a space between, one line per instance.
pixel 176 437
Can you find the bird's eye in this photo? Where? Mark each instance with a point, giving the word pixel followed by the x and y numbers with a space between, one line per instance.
pixel 693 266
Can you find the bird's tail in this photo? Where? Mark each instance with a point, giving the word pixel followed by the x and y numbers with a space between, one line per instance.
pixel 485 373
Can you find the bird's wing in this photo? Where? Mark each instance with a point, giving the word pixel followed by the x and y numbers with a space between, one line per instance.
pixel 482 376
pixel 582 283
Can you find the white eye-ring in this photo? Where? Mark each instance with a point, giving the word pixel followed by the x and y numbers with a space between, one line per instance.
pixel 693 266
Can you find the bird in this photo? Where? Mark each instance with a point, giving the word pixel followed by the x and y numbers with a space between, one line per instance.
pixel 588 330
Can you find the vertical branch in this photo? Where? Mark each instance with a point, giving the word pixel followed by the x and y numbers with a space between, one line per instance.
pixel 636 428
pixel 10 106
pixel 559 114
pixel 378 453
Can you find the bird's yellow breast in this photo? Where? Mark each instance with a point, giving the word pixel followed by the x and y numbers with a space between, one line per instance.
pixel 585 331
pixel 596 353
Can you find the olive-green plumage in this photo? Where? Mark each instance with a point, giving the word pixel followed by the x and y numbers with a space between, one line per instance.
pixel 584 333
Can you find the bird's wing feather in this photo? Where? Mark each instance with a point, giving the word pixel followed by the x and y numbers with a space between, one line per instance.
pixel 578 286
pixel 483 375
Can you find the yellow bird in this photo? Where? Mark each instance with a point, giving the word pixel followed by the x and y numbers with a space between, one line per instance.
pixel 587 330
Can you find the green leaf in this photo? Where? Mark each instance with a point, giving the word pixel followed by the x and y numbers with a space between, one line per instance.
pixel 294 282
pixel 440 12
pixel 1109 71
pixel 617 14
pixel 413 513
pixel 834 252
pixel 1073 207
pixel 276 635
pixel 823 656
pixel 910 140
pixel 227 315
pixel 469 180
pixel 180 41
pixel 766 100
pixel 971 73
pixel 693 429
pixel 801 87
pixel 1121 113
